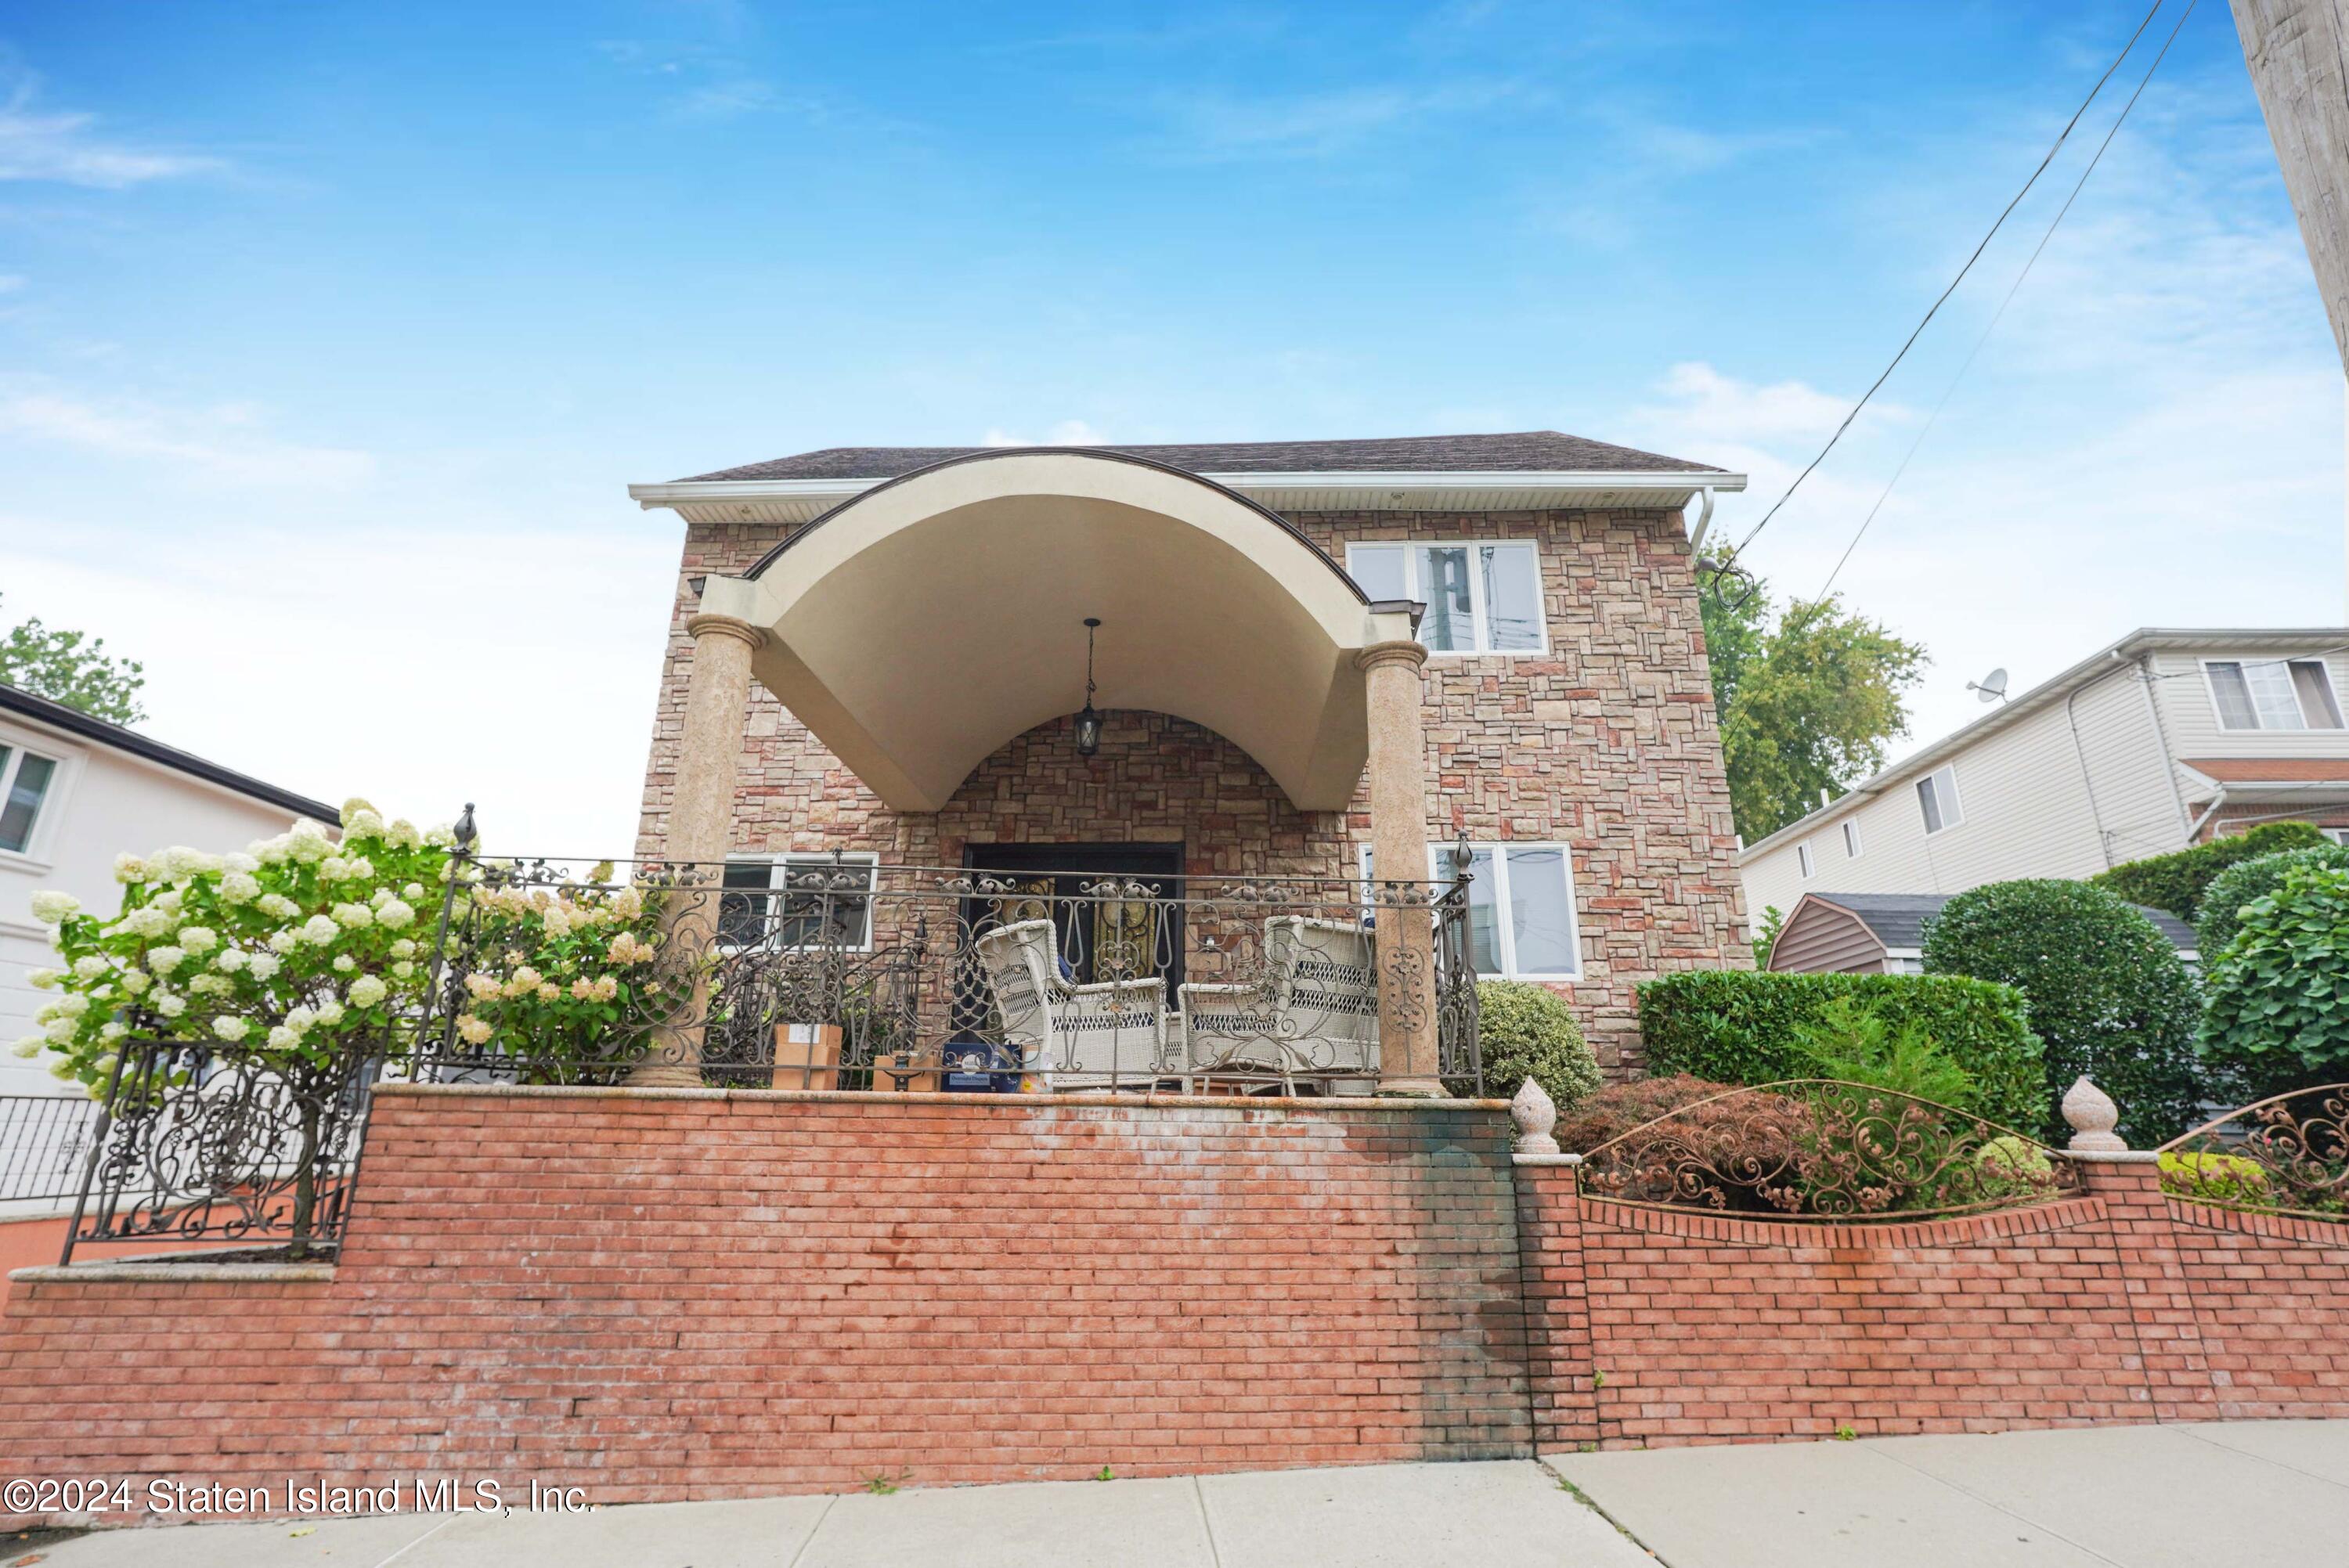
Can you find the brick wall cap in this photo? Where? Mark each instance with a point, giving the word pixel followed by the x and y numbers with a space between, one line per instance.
pixel 1566 1159
pixel 176 1272
pixel 2113 1156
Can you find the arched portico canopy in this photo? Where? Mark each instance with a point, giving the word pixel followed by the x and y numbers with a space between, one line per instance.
pixel 919 626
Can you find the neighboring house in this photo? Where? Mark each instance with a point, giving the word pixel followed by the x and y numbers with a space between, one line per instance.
pixel 918 616
pixel 2162 740
pixel 1884 933
pixel 74 792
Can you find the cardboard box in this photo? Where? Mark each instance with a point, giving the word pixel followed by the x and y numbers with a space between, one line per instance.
pixel 807 1055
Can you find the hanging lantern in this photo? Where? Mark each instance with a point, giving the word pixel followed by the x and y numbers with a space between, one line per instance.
pixel 1088 720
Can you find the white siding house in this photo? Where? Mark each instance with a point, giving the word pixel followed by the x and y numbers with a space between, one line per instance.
pixel 76 791
pixel 2161 740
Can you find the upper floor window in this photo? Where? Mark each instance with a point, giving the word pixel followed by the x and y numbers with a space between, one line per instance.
pixel 1851 839
pixel 24 780
pixel 1937 796
pixel 1802 859
pixel 1481 598
pixel 2273 694
pixel 797 901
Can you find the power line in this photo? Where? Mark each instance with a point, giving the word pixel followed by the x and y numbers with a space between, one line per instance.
pixel 1739 549
pixel 2011 290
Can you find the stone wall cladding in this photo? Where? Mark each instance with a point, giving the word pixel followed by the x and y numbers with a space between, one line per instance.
pixel 1652 1328
pixel 713 1296
pixel 1608 743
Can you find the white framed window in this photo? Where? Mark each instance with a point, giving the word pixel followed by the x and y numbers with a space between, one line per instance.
pixel 1937 798
pixel 1522 923
pixel 28 789
pixel 1851 838
pixel 1483 596
pixel 2273 694
pixel 1803 861
pixel 789 900
pixel 2338 835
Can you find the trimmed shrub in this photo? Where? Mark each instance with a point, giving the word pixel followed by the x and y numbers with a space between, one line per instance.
pixel 2279 996
pixel 1745 1026
pixel 1524 1031
pixel 1618 1108
pixel 1851 1043
pixel 2176 882
pixel 2244 882
pixel 2213 1178
pixel 2107 993
pixel 1746 1135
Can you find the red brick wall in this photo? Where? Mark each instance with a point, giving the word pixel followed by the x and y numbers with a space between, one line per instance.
pixel 1651 1328
pixel 705 1297
pixel 1608 743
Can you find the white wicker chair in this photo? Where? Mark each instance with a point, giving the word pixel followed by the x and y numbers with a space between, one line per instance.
pixel 1313 1014
pixel 1073 1037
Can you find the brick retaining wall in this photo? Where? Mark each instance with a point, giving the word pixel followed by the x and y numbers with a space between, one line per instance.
pixel 699 1294
pixel 1651 1328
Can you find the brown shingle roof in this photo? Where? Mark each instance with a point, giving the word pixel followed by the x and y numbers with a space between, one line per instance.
pixel 1538 451
pixel 2272 770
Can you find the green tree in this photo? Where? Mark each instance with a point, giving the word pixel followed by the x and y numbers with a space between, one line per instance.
pixel 73 668
pixel 2279 993
pixel 1809 700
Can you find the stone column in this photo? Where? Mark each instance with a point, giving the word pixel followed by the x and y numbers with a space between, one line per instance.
pixel 1406 937
pixel 701 822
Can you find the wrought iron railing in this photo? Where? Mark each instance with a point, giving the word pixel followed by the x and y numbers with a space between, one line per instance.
pixel 2288 1154
pixel 846 974
pixel 44 1142
pixel 206 1143
pixel 1828 1150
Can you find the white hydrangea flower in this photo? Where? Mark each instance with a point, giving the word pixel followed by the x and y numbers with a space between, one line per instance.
pixel 441 836
pixel 167 902
pixel 278 906
pixel 353 916
pixel 230 1027
pixel 232 959
pixel 62 1071
pixel 72 1005
pixel 239 862
pixel 299 1019
pixel 60 1032
pixel 152 920
pixel 51 907
pixel 164 960
pixel 358 868
pixel 473 1031
pixel 403 969
pixel 239 887
pixel 199 938
pixel 209 985
pixel 319 930
pixel 396 914
pixel 264 965
pixel 104 1066
pixel 353 807
pixel 403 948
pixel 367 991
pixel 413 892
pixel 401 834
pixel 31 1046
pixel 345 963
pixel 170 1006
pixel 334 868
pixel 283 1039
pixel 136 980
pixel 113 1030
pixel 43 979
pixel 307 843
pixel 330 1012
pixel 364 825
pixel 274 852
pixel 89 967
pixel 129 868
pixel 283 942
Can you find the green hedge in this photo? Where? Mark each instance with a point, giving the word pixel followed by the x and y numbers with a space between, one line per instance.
pixel 2244 882
pixel 2176 882
pixel 1524 1031
pixel 1743 1027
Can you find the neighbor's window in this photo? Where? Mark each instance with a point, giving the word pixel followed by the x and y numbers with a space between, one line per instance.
pixel 1803 859
pixel 1936 796
pixel 25 780
pixel 1480 598
pixel 792 900
pixel 2274 694
pixel 1521 920
pixel 1851 839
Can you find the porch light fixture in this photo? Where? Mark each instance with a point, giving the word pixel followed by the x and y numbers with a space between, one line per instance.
pixel 1088 720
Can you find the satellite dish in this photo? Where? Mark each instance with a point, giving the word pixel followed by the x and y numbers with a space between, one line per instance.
pixel 1991 687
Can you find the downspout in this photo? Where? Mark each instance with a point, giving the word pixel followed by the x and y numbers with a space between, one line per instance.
pixel 2161 733
pixel 1704 523
pixel 2087 782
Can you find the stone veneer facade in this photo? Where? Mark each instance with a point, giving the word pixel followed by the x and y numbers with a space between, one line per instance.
pixel 1606 743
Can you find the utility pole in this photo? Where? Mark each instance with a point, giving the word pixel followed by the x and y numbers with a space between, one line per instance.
pixel 2296 49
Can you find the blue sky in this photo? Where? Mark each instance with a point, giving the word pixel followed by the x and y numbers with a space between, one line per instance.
pixel 329 336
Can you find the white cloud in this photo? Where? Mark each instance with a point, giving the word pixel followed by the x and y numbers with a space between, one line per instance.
pixel 65 148
pixel 223 443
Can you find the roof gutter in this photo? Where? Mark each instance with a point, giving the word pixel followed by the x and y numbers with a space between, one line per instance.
pixel 1706 480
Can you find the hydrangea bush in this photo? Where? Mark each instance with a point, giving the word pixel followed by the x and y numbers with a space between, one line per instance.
pixel 303 949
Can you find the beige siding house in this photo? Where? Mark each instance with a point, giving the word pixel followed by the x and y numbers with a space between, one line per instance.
pixel 2164 740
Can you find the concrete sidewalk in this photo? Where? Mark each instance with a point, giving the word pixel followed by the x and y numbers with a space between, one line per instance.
pixel 2136 1496
pixel 1408 1516
pixel 2181 1496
